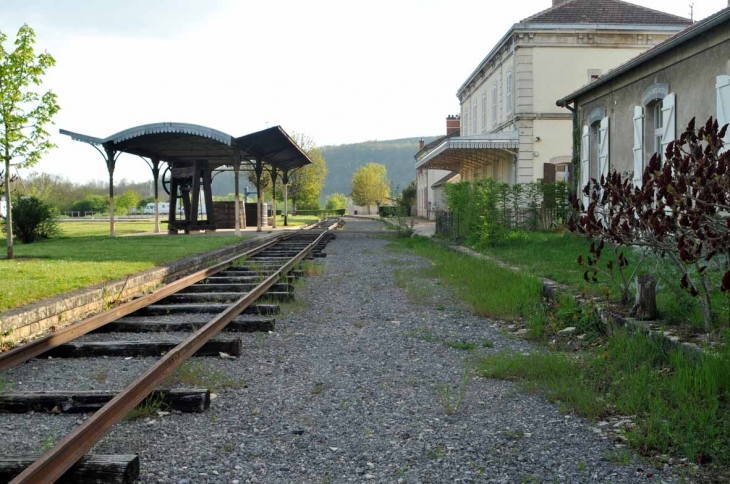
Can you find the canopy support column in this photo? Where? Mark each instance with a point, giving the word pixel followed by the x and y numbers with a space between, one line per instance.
pixel 110 163
pixel 237 196
pixel 208 194
pixel 285 181
pixel 258 169
pixel 156 178
pixel 274 174
pixel 171 227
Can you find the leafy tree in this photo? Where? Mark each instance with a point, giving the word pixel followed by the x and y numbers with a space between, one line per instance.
pixel 128 200
pixel 370 185
pixel 23 112
pixel 336 201
pixel 91 203
pixel 407 197
pixel 306 184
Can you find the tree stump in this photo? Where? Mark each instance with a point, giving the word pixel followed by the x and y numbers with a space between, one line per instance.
pixel 645 307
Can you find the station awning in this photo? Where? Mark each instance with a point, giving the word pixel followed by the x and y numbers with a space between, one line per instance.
pixel 461 152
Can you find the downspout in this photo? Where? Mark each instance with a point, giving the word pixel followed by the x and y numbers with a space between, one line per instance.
pixel 576 144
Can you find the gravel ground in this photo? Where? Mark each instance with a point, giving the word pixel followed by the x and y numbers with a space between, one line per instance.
pixel 346 390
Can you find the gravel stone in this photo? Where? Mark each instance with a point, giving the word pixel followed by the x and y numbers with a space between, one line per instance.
pixel 344 391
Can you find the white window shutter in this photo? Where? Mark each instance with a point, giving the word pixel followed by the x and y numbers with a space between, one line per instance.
pixel 603 148
pixel 638 145
pixel 723 106
pixel 585 157
pixel 669 117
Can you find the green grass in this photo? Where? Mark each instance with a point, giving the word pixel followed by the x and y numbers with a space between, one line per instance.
pixel 461 345
pixel 681 405
pixel 296 220
pixel 77 260
pixel 101 228
pixel 490 290
pixel 196 374
pixel 555 255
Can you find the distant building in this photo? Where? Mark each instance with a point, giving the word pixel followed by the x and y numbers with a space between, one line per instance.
pixel 426 205
pixel 638 108
pixel 510 128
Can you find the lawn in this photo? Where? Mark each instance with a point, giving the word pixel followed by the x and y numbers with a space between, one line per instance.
pixel 295 220
pixel 86 256
pixel 86 229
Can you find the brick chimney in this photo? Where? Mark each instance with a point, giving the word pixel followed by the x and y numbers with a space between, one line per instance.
pixel 453 123
pixel 421 144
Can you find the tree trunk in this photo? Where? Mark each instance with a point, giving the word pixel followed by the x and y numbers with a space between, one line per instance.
pixel 9 212
pixel 645 308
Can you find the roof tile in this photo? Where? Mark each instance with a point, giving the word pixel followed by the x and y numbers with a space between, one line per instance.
pixel 604 12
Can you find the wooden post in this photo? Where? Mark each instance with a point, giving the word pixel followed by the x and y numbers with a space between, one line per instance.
pixel 274 174
pixel 110 162
pixel 259 203
pixel 285 181
pixel 237 196
pixel 156 177
pixel 645 308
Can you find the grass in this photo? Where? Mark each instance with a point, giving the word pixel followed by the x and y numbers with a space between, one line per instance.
pixel 489 289
pixel 148 408
pixel 101 228
pixel 451 398
pixel 83 257
pixel 461 345
pixel 296 220
pixel 195 374
pixel 555 255
pixel 679 405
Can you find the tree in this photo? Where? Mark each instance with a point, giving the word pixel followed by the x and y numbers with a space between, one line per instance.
pixel 92 203
pixel 33 219
pixel 407 197
pixel 336 201
pixel 306 184
pixel 23 112
pixel 370 185
pixel 127 201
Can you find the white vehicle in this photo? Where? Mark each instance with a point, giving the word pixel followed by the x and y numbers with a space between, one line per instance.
pixel 3 208
pixel 164 208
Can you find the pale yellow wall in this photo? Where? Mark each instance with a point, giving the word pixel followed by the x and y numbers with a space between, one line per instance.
pixel 498 76
pixel 558 71
pixel 556 137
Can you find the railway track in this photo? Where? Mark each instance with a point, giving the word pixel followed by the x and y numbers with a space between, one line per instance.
pixel 225 297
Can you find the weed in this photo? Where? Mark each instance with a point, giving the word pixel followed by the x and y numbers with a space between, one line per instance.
pixel 49 442
pixel 440 307
pixel 515 434
pixel 148 408
pixel 227 448
pixel 197 375
pixel 461 345
pixel 4 384
pixel 618 456
pixel 582 466
pixel 436 453
pixel 318 388
pixel 345 403
pixel 452 399
pixel 261 340
pixel 102 375
pixel 424 334
pixel 487 344
pixel 312 268
pixel 360 324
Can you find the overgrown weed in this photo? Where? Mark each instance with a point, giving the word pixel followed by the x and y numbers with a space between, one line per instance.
pixel 451 398
pixel 196 374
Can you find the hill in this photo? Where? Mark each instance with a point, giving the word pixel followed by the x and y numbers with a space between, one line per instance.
pixel 343 160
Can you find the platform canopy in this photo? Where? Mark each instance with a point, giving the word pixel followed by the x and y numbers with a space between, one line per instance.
pixel 183 143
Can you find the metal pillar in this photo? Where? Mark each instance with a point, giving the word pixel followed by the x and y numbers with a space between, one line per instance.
pixel 171 227
pixel 258 169
pixel 110 163
pixel 156 177
pixel 274 174
pixel 285 181
pixel 237 196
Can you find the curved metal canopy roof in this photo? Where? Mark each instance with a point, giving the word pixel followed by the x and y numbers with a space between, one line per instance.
pixel 183 143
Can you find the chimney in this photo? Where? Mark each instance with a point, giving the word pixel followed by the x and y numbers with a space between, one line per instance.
pixel 421 144
pixel 453 123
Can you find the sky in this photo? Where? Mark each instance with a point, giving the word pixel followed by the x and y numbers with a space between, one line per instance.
pixel 338 71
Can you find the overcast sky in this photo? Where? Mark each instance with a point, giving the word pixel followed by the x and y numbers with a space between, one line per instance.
pixel 339 71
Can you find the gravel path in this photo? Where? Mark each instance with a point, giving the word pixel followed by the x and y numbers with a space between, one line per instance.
pixel 346 390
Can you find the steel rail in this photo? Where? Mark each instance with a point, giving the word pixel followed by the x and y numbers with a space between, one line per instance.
pixel 21 354
pixel 54 463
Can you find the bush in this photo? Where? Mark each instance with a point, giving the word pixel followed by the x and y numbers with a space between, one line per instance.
pixel 389 212
pixel 33 219
pixel 91 203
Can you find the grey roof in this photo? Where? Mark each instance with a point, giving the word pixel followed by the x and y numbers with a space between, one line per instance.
pixel 604 12
pixel 673 42
pixel 445 180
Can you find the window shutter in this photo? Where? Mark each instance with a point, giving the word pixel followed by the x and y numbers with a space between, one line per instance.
pixel 669 117
pixel 638 145
pixel 585 156
pixel 603 146
pixel 723 106
pixel 549 173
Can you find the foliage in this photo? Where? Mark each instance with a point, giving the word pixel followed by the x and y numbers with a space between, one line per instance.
pixel 306 183
pixel 92 203
pixel 679 403
pixel 370 185
pixel 24 113
pixel 33 220
pixel 680 212
pixel 484 211
pixel 407 198
pixel 126 201
pixel 336 201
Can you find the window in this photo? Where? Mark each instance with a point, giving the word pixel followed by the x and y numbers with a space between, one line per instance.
pixel 484 112
pixel 658 127
pixel 474 117
pixel 494 103
pixel 509 92
pixel 593 74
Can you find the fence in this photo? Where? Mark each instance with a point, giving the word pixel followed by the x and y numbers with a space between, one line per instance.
pixel 539 218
